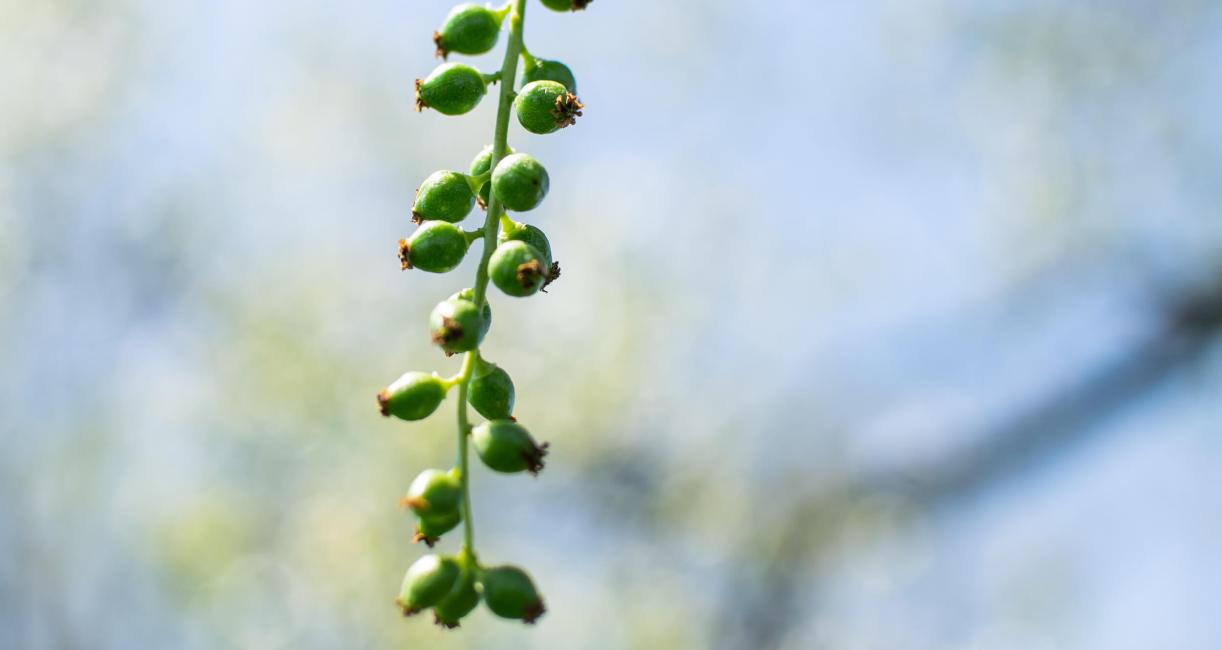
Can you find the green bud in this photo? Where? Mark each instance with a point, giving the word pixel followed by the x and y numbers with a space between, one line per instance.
pixel 430 529
pixel 520 182
pixel 459 602
pixel 456 326
pixel 510 593
pixel 434 493
pixel 517 269
pixel 436 247
pixel 547 70
pixel 414 396
pixel 506 446
pixel 566 5
pixel 451 89
pixel 546 106
pixel 491 391
pixel 480 166
pixel 428 580
pixel 468 29
pixel 443 196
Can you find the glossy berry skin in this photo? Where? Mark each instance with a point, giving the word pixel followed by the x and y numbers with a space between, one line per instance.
pixel 566 5
pixel 510 593
pixel 427 581
pixel 520 182
pixel 451 89
pixel 468 29
pixel 457 326
pixel 430 529
pixel 414 396
pixel 533 236
pixel 546 107
pixel 434 493
pixel 461 600
pixel 443 196
pixel 517 269
pixel 491 391
pixel 435 247
pixel 547 70
pixel 507 447
pixel 481 165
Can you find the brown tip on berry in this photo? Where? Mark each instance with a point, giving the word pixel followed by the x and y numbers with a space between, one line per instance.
pixel 420 103
pixel 405 260
pixel 533 612
pixel 384 403
pixel 417 218
pixel 421 537
pixel 553 274
pixel 529 273
pixel 442 52
pixel 568 109
pixel 483 205
pixel 450 331
pixel 405 608
pixel 534 459
pixel 449 625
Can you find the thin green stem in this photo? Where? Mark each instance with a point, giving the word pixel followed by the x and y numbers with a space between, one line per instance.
pixel 500 145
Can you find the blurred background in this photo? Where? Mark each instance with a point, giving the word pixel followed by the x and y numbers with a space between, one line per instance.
pixel 883 325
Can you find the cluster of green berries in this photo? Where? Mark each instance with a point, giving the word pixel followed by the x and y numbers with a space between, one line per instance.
pixel 518 262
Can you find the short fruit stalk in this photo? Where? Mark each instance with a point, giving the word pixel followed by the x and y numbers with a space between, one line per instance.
pixel 517 259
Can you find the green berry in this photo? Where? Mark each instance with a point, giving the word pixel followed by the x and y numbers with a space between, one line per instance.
pixel 434 493
pixel 468 294
pixel 510 593
pixel 491 391
pixel 520 182
pixel 443 196
pixel 435 247
pixel 480 166
pixel 414 396
pixel 518 269
pixel 461 600
pixel 429 579
pixel 468 29
pixel 430 529
pixel 546 106
pixel 506 446
pixel 451 89
pixel 566 5
pixel 547 70
pixel 535 237
pixel 457 326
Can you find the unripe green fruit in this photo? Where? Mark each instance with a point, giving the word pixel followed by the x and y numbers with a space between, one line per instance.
pixel 428 580
pixel 547 70
pixel 520 182
pixel 468 29
pixel 506 446
pixel 436 247
pixel 491 391
pixel 443 196
pixel 517 269
pixel 414 396
pixel 531 235
pixel 451 89
pixel 546 106
pixel 566 5
pixel 510 593
pixel 430 529
pixel 457 326
pixel 434 493
pixel 459 602
pixel 480 166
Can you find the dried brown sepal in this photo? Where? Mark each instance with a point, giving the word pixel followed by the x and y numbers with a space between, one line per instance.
pixel 450 332
pixel 420 104
pixel 407 611
pixel 533 612
pixel 405 263
pixel 417 218
pixel 449 625
pixel 568 109
pixel 534 461
pixel 384 403
pixel 442 52
pixel 421 537
pixel 479 200
pixel 553 274
pixel 529 273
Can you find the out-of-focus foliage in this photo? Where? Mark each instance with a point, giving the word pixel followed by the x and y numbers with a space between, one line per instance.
pixel 823 265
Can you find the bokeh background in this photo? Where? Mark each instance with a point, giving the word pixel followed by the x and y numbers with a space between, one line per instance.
pixel 883 325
